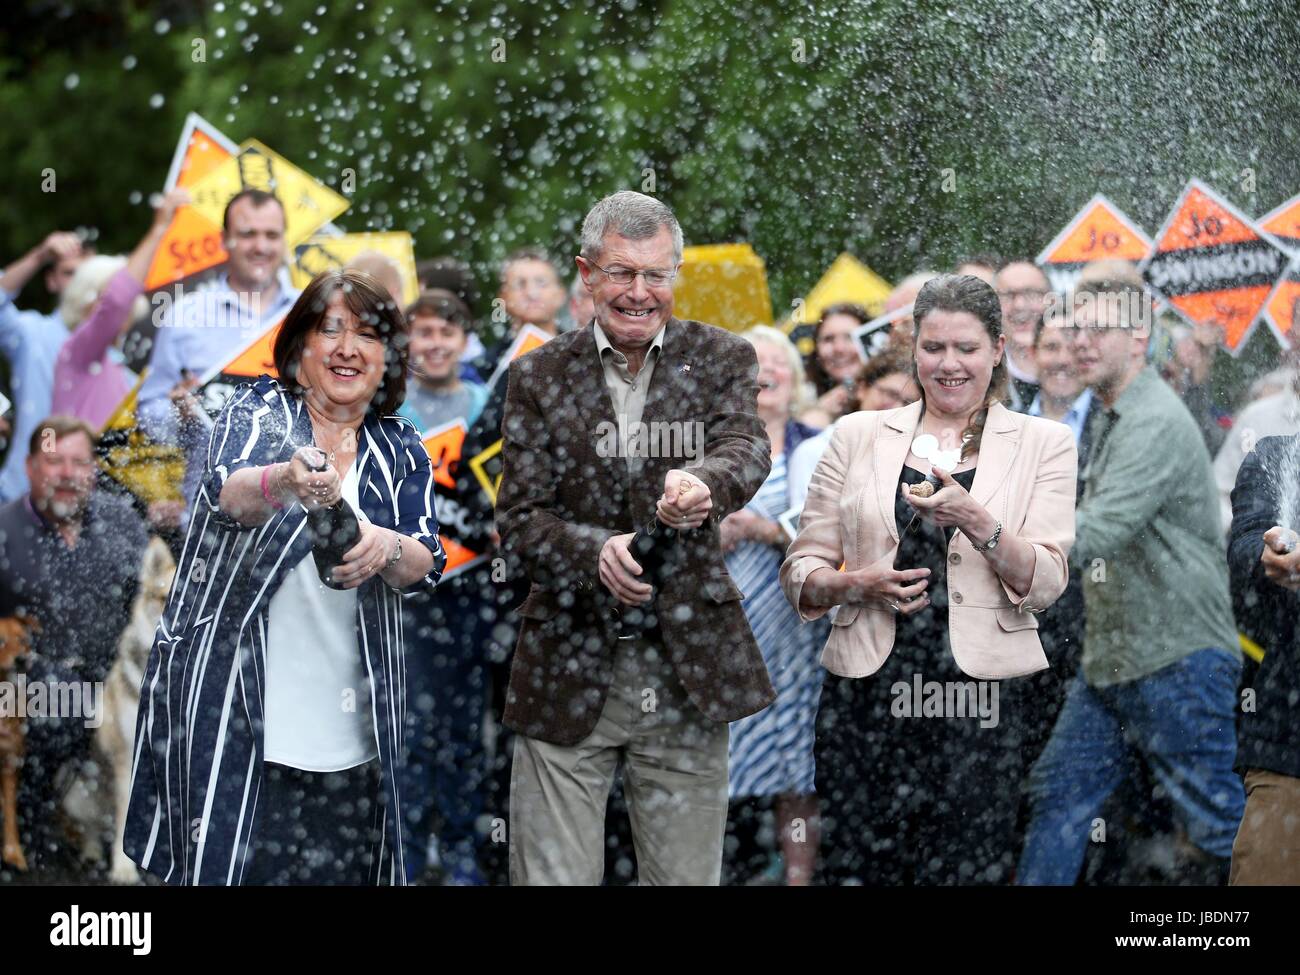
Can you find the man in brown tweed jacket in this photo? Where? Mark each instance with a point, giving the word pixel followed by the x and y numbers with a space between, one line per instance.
pixel 634 417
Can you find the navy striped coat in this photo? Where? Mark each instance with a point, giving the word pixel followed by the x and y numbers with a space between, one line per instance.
pixel 197 763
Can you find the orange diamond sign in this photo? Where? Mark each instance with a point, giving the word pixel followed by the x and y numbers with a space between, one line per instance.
pixel 1100 231
pixel 1212 264
pixel 191 243
pixel 1284 224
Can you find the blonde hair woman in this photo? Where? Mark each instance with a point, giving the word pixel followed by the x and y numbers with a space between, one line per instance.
pixel 771 751
pixel 104 296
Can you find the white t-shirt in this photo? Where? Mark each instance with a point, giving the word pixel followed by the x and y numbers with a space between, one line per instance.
pixel 318 702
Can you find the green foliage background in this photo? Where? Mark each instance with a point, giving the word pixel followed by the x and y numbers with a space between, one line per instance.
pixel 806 129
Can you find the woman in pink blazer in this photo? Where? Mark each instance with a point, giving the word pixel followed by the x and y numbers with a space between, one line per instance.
pixel 933 638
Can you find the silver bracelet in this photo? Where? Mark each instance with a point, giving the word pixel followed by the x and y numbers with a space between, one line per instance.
pixel 396 556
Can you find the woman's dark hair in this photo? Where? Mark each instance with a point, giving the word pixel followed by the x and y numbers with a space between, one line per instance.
pixel 440 303
pixel 965 293
pixel 372 304
pixel 880 366
pixel 820 378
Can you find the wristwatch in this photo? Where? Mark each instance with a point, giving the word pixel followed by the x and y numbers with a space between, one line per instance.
pixel 992 543
pixel 396 556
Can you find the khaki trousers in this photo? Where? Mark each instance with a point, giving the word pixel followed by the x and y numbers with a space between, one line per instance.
pixel 1267 849
pixel 674 776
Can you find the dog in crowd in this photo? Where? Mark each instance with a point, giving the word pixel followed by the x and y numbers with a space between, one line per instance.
pixel 15 642
pixel 97 802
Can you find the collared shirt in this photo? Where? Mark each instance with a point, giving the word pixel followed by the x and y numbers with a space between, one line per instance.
pixel 203 331
pixel 1021 388
pixel 1074 417
pixel 1148 542
pixel 1017 372
pixel 626 391
pixel 31 342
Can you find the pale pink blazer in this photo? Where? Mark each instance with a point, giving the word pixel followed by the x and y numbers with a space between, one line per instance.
pixel 1025 477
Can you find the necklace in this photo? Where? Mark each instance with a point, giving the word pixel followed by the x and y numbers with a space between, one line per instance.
pixel 926 446
pixel 347 441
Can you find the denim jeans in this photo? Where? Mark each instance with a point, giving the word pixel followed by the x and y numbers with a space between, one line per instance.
pixel 1181 719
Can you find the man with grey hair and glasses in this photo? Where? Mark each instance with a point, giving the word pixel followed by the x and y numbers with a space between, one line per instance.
pixel 638 421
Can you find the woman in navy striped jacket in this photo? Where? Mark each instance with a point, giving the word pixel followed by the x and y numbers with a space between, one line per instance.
pixel 272 707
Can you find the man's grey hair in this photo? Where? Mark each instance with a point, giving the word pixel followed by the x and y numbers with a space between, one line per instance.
pixel 632 215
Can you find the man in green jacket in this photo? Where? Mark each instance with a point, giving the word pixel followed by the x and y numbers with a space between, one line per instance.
pixel 1160 658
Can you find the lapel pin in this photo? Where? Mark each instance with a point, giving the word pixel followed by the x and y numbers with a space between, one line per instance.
pixel 685 367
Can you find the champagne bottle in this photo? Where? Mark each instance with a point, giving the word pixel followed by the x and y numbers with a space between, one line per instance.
pixel 652 546
pixel 334 529
pixel 655 548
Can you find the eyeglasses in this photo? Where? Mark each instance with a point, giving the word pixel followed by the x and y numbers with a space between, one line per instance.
pixel 654 277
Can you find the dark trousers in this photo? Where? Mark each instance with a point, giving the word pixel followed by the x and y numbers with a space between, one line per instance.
pixel 445 766
pixel 317 828
pixel 918 800
pixel 49 744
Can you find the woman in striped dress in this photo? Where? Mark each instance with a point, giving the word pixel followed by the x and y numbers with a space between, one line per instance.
pixel 771 753
pixel 272 707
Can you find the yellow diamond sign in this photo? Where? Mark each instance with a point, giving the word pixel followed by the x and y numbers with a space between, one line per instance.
pixel 847 280
pixel 308 203
pixel 725 285
pixel 322 253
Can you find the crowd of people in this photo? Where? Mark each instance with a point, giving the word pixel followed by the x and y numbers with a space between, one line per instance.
pixel 958 607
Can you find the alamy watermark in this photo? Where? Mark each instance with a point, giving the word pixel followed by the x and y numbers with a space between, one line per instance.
pixel 946 699
pixel 75 928
pixel 205 307
pixel 658 438
pixel 84 700
pixel 1124 308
